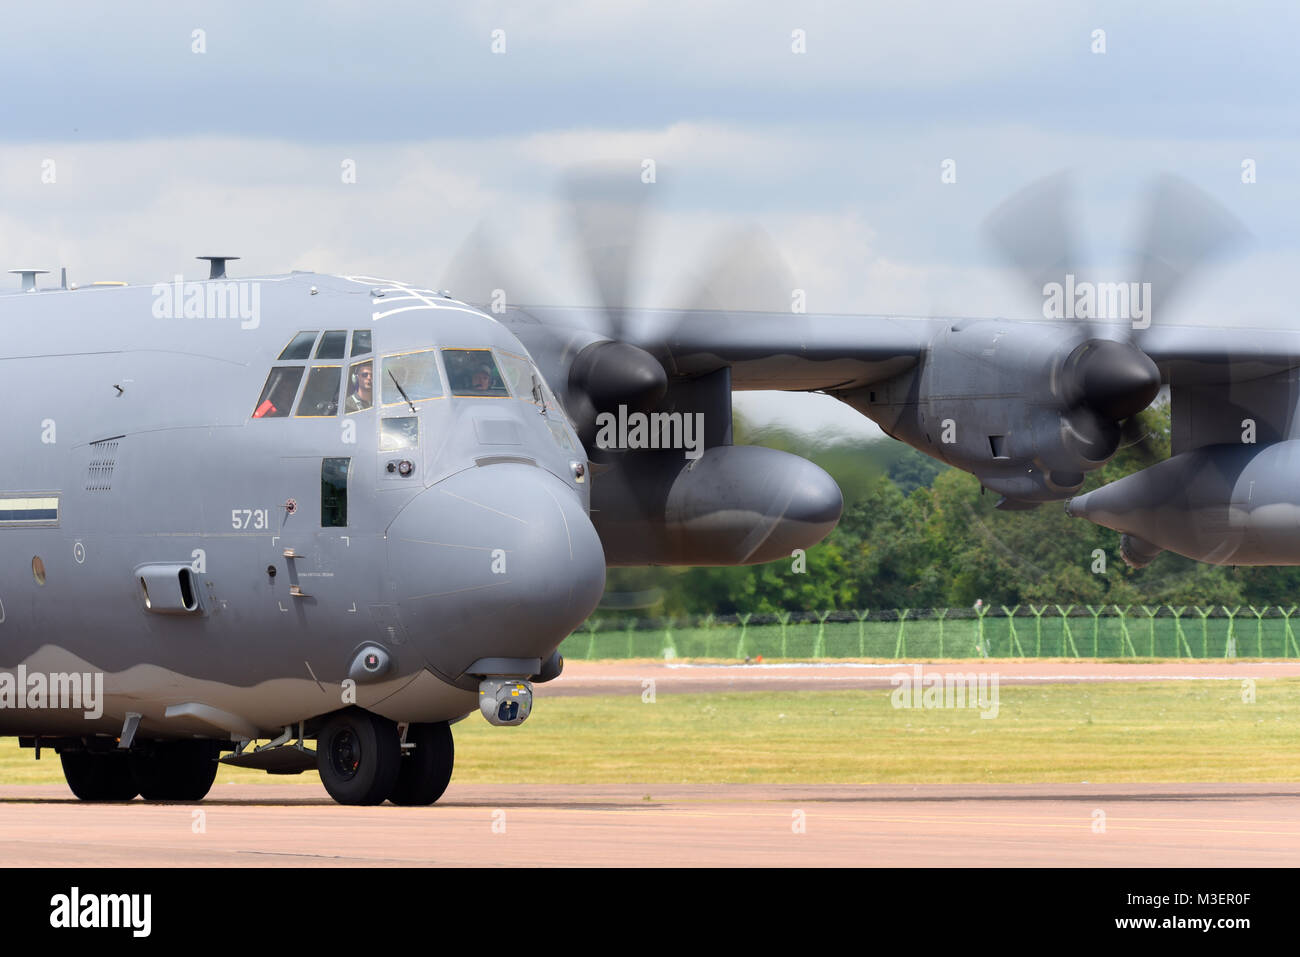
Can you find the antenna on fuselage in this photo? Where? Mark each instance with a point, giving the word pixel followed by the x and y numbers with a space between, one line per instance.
pixel 217 268
pixel 29 277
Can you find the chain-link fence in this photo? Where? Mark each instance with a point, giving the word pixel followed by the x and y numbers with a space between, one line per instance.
pixel 1022 631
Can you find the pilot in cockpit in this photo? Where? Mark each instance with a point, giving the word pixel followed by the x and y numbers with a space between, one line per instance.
pixel 361 389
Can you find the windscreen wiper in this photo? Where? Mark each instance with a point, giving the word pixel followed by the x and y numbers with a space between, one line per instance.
pixel 392 376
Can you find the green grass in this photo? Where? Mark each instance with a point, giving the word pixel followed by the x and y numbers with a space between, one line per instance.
pixel 1167 731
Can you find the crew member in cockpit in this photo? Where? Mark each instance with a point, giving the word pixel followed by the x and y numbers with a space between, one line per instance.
pixel 482 381
pixel 360 390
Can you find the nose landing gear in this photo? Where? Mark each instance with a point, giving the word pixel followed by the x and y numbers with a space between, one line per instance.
pixel 361 760
pixel 426 768
pixel 359 755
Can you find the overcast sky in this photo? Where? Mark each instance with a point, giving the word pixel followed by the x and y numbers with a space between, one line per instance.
pixel 159 153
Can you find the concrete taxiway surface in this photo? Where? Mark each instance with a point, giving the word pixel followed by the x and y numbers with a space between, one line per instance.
pixel 625 677
pixel 662 825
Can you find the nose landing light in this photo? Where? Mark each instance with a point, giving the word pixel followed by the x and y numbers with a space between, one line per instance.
pixel 505 701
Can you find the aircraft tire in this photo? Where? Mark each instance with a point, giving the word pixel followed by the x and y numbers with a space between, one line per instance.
pixel 359 756
pixel 426 769
pixel 98 777
pixel 175 770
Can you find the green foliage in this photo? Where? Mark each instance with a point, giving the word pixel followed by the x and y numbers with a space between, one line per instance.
pixel 916 534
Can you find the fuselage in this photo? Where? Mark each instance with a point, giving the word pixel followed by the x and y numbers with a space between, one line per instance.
pixel 205 504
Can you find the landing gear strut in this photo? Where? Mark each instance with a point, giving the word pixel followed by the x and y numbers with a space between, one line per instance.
pixel 426 769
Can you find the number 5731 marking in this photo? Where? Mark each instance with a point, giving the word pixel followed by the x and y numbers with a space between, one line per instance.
pixel 250 518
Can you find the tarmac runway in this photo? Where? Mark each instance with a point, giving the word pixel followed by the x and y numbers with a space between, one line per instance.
pixel 620 677
pixel 662 825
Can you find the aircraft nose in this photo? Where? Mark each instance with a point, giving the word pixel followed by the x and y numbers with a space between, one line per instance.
pixel 499 561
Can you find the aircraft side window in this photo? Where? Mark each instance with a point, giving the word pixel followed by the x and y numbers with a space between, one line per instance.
pixel 320 398
pixel 333 345
pixel 399 433
pixel 474 372
pixel 361 342
pixel 300 346
pixel 277 395
pixel 334 492
pixel 518 376
pixel 411 377
pixel 361 387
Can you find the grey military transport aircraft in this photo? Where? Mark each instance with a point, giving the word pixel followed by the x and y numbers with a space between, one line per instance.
pixel 349 512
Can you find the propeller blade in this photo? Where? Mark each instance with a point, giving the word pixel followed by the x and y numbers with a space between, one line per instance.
pixel 607 206
pixel 1184 230
pixel 484 274
pixel 746 273
pixel 1033 230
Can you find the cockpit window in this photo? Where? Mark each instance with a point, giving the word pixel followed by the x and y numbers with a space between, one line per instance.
pixel 361 387
pixel 299 347
pixel 333 345
pixel 473 372
pixel 281 386
pixel 411 377
pixel 361 342
pixel 321 396
pixel 518 375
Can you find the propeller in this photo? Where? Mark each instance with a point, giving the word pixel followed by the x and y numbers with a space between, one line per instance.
pixel 1106 379
pixel 607 207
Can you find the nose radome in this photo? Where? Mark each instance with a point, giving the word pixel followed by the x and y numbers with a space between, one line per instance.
pixel 499 561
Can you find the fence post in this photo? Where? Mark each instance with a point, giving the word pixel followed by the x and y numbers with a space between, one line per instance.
pixel 1289 635
pixel 1259 630
pixel 631 626
pixel 1011 626
pixel 744 628
pixel 819 649
pixel 1096 624
pixel 784 618
pixel 1180 637
pixel 592 625
pixel 1230 647
pixel 862 615
pixel 980 612
pixel 900 643
pixel 1066 634
pixel 670 646
pixel 1151 625
pixel 1038 629
pixel 1123 629
pixel 943 614
pixel 1205 630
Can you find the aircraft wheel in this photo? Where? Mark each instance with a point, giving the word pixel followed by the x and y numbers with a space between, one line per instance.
pixel 176 770
pixel 98 777
pixel 359 755
pixel 426 769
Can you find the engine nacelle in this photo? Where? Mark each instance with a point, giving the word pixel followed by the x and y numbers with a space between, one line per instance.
pixel 1029 410
pixel 735 505
pixel 1223 504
